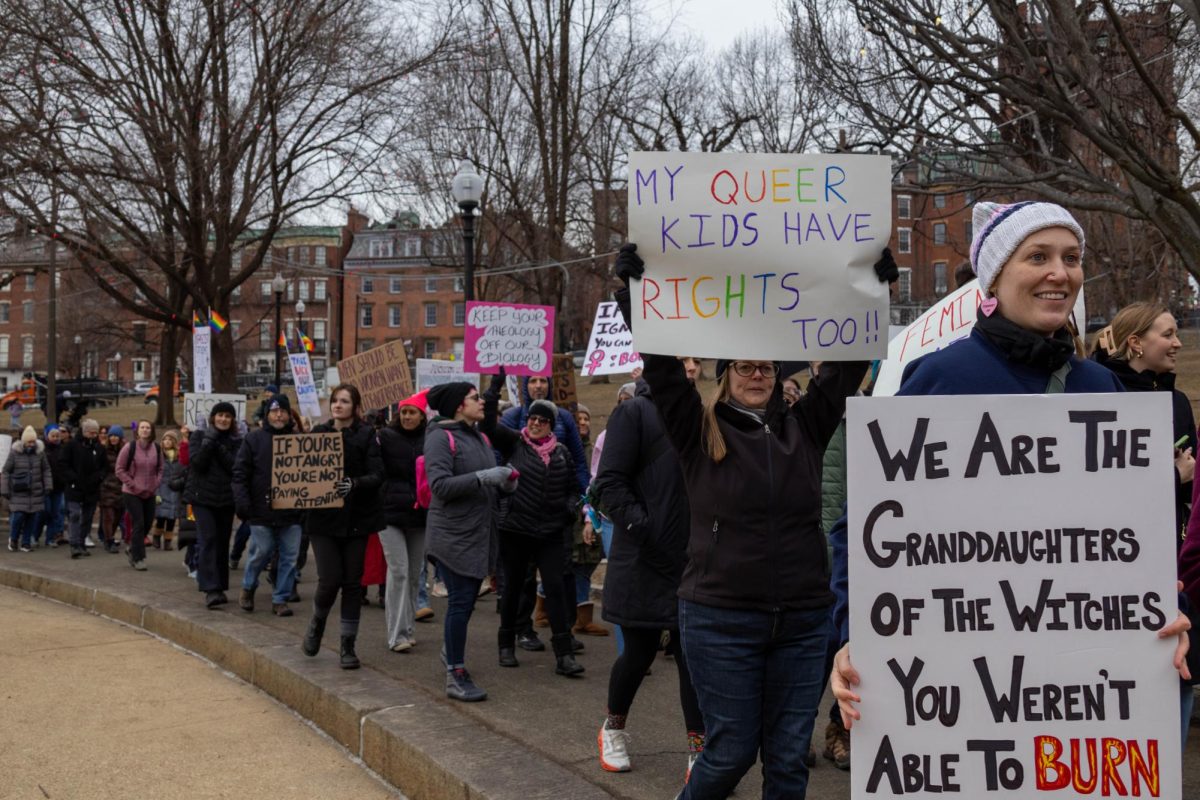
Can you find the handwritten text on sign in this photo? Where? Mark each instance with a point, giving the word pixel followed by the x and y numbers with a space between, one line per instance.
pixel 760 256
pixel 1005 595
pixel 381 374
pixel 304 468
pixel 515 336
pixel 610 348
pixel 197 406
pixel 433 372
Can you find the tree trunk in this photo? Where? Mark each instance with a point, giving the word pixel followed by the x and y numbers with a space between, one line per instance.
pixel 168 354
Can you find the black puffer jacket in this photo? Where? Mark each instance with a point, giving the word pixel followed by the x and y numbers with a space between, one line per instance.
pixel 252 480
pixel 640 485
pixel 546 501
pixel 54 454
pixel 362 513
pixel 399 449
pixel 84 464
pixel 211 454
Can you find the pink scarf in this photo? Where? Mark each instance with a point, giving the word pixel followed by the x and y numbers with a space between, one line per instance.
pixel 543 448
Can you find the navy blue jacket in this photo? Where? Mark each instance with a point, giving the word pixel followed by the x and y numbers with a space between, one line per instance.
pixel 252 480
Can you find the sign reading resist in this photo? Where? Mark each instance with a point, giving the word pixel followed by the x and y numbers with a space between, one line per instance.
pixel 304 468
pixel 515 336
pixel 198 405
pixel 1011 562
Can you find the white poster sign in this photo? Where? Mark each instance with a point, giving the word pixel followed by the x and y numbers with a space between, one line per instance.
pixel 306 387
pixel 610 347
pixel 5 448
pixel 198 405
pixel 760 255
pixel 434 372
pixel 202 359
pixel 1010 564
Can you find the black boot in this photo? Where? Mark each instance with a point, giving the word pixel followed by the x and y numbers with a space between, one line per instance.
pixel 508 648
pixel 349 659
pixel 564 658
pixel 312 637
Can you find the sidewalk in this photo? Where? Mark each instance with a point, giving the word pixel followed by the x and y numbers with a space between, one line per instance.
pixel 93 709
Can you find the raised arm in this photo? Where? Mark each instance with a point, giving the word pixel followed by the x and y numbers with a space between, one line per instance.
pixel 504 439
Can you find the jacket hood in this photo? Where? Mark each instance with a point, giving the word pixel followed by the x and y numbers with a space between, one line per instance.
pixel 642 388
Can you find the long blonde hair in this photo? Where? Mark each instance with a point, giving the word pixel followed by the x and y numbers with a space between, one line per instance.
pixel 713 441
pixel 1134 319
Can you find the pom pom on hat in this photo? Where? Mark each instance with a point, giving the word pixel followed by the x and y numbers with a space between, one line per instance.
pixel 1000 229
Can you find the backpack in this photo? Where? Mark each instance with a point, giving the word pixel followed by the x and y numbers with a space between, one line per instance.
pixel 131 462
pixel 424 493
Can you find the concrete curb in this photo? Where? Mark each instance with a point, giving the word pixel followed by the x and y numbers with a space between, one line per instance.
pixel 424 748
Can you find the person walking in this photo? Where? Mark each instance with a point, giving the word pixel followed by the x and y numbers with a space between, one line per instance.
pixel 209 488
pixel 544 505
pixel 339 535
pixel 112 503
pixel 85 464
pixel 140 468
pixel 170 500
pixel 464 480
pixel 24 481
pixel 403 535
pixel 54 511
pixel 640 484
pixel 274 532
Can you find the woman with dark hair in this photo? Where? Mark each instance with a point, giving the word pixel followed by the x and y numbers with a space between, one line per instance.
pixel 403 536
pixel 209 488
pixel 339 535
pixel 140 468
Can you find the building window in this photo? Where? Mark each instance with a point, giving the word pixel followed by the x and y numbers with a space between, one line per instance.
pixel 431 315
pixel 27 310
pixel 139 369
pixel 6 279
pixel 412 246
pixel 365 344
pixel 304 255
pixel 382 248
pixel 939 201
pixel 940 284
pixel 318 329
pixel 264 337
pixel 395 285
pixel 264 290
pixel 139 334
pixel 236 327
pixel 30 281
pixel 903 206
pixel 291 292
pixel 368 285
pixel 236 294
pixel 939 233
pixel 459 283
pixel 904 286
pixel 431 284
pixel 302 290
pixel 460 314
pixel 904 240
pixel 394 315
pixel 319 256
pixel 318 290
pixel 366 315
pixel 4 351
pixel 437 246
pixel 27 352
pixel 4 312
pixel 431 347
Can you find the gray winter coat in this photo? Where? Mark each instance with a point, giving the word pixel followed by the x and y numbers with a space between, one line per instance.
pixel 36 464
pixel 460 530
pixel 171 506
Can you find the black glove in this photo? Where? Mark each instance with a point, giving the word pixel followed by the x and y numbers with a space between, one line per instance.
pixel 496 385
pixel 886 267
pixel 629 264
pixel 344 486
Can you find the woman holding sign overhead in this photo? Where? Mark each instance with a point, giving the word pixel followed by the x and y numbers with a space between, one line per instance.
pixel 754 600
pixel 339 535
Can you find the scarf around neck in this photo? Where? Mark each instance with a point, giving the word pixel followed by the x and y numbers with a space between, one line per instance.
pixel 543 448
pixel 1023 346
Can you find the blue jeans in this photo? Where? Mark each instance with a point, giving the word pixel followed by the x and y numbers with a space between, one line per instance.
pixel 461 604
pixel 80 516
pixel 265 540
pixel 23 526
pixel 758 677
pixel 54 515
pixel 606 537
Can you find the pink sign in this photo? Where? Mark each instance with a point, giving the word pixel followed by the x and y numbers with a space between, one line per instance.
pixel 515 336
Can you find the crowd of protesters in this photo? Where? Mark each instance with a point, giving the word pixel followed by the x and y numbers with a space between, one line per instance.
pixel 722 520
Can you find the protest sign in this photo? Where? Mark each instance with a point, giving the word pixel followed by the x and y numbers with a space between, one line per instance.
pixel 610 347
pixel 202 359
pixel 306 388
pixel 304 468
pixel 433 372
pixel 515 336
pixel 5 447
pixel 381 374
pixel 198 405
pixel 562 383
pixel 760 255
pixel 1010 565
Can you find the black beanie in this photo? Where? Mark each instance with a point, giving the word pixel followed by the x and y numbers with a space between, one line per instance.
pixel 447 397
pixel 277 401
pixel 544 409
pixel 223 406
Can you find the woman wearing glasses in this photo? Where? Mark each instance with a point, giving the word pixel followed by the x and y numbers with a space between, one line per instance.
pixel 754 601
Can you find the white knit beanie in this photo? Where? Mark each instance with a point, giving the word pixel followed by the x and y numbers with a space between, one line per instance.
pixel 1000 229
pixel 29 435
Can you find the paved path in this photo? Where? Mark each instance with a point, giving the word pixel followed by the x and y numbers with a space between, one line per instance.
pixel 93 709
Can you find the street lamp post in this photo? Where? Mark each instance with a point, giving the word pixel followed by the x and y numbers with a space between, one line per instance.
pixel 467 190
pixel 278 284
pixel 300 316
pixel 78 362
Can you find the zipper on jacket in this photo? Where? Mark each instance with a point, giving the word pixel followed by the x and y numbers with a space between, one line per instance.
pixel 771 516
pixel 713 549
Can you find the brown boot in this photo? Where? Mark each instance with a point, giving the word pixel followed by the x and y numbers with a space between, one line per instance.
pixel 837 745
pixel 584 624
pixel 540 617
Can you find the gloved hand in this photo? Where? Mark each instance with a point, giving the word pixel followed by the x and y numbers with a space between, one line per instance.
pixel 344 486
pixel 495 476
pixel 496 385
pixel 629 264
pixel 886 267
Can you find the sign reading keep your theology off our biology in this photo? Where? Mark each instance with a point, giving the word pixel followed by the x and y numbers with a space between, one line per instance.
pixel 760 255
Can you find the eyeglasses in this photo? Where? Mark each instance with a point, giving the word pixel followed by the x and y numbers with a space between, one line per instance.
pixel 538 421
pixel 473 396
pixel 746 369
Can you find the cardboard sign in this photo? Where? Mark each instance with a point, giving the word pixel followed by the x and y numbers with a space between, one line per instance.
pixel 197 406
pixel 610 347
pixel 562 383
pixel 433 372
pixel 381 375
pixel 760 256
pixel 304 468
pixel 515 336
pixel 202 359
pixel 1010 564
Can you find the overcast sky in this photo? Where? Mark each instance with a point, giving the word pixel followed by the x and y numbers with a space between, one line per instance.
pixel 719 22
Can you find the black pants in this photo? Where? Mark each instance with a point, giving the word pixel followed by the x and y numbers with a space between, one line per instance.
pixel 213 528
pixel 141 515
pixel 340 566
pixel 517 552
pixel 641 644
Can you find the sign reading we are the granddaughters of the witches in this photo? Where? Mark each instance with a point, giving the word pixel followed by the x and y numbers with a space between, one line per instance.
pixel 760 255
pixel 1012 559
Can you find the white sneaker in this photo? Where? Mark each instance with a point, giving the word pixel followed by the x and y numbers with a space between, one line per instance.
pixel 691 762
pixel 614 749
pixel 87 542
pixel 439 589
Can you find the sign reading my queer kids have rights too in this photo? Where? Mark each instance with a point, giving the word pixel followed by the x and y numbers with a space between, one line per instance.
pixel 760 255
